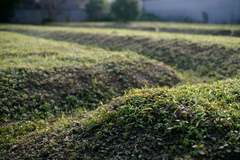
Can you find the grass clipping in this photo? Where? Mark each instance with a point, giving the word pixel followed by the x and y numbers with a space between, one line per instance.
pixel 189 121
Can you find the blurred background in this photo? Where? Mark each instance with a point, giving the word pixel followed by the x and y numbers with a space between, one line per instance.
pixel 197 11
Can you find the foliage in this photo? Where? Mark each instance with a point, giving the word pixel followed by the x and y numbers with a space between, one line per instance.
pixel 125 10
pixel 53 7
pixel 97 9
pixel 7 9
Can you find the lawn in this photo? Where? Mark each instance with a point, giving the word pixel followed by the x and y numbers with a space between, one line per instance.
pixel 70 92
pixel 190 28
pixel 185 52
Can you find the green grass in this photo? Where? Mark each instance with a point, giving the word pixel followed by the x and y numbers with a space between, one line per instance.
pixel 151 24
pixel 193 28
pixel 189 122
pixel 191 54
pixel 201 39
pixel 41 79
pixel 70 93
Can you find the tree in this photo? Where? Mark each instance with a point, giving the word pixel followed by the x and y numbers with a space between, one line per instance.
pixel 7 9
pixel 126 10
pixel 54 6
pixel 96 9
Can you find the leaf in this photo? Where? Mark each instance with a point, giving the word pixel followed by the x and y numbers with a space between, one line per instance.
pixel 201 152
pixel 237 150
pixel 15 146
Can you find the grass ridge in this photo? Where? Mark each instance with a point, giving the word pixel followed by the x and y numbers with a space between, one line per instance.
pixel 172 123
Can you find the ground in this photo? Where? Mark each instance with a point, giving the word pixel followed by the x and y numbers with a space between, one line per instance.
pixel 73 92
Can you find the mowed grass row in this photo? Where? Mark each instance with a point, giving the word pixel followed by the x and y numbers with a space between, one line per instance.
pixel 189 28
pixel 184 122
pixel 151 24
pixel 210 56
pixel 41 79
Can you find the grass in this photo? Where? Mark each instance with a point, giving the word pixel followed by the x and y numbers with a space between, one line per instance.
pixel 71 93
pixel 186 53
pixel 150 24
pixel 193 28
pixel 201 39
pixel 41 79
pixel 188 121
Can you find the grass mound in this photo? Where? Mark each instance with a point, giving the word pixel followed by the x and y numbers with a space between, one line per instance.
pixel 212 61
pixel 189 122
pixel 218 59
pixel 186 28
pixel 41 79
pixel 27 93
pixel 52 91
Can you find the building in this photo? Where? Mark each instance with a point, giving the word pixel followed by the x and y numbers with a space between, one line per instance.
pixel 208 11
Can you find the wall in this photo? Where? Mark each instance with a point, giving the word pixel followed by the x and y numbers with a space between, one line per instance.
pixel 74 15
pixel 36 16
pixel 217 11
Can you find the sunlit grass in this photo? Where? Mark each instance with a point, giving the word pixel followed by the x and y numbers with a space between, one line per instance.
pixel 152 24
pixel 188 121
pixel 42 79
pixel 51 85
pixel 229 42
pixel 28 52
